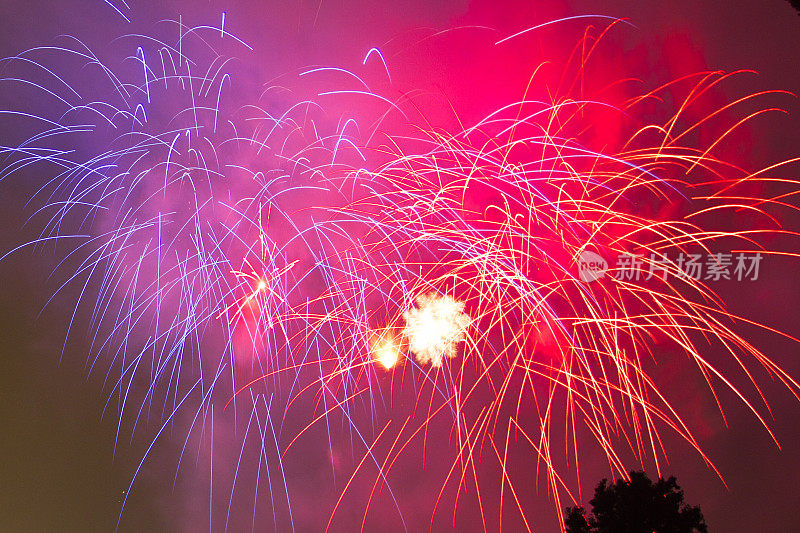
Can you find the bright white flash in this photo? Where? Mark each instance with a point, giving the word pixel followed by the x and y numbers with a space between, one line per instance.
pixel 387 353
pixel 435 327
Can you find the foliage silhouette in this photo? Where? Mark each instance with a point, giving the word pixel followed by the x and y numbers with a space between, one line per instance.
pixel 637 506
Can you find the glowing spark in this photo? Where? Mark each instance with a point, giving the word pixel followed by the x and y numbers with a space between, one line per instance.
pixel 387 353
pixel 435 327
pixel 261 287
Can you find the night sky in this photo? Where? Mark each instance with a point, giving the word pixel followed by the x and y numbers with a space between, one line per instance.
pixel 59 471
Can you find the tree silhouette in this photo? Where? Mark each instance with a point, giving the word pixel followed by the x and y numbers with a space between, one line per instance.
pixel 795 4
pixel 637 506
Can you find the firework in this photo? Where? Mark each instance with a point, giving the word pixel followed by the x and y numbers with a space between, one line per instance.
pixel 298 273
pixel 435 327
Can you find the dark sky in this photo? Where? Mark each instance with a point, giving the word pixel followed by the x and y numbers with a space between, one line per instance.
pixel 56 466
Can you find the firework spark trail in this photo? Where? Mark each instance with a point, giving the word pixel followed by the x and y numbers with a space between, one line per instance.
pixel 260 258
